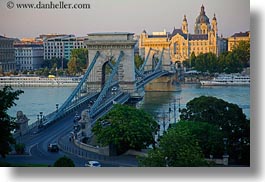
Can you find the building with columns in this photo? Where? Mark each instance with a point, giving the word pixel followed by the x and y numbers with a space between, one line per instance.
pixel 181 42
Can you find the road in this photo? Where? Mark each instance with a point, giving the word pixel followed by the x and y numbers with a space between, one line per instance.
pixel 37 144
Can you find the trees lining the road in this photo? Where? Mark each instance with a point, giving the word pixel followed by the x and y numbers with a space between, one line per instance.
pixel 127 128
pixel 7 123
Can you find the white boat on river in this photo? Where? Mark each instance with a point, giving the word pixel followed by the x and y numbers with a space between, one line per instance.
pixel 35 81
pixel 228 79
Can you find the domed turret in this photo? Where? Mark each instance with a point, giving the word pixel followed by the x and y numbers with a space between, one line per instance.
pixel 202 23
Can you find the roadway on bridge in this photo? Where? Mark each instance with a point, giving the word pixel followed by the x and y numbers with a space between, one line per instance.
pixel 37 145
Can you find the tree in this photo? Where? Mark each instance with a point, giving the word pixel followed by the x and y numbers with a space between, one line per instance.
pixel 209 137
pixel 206 63
pixel 7 123
pixel 72 66
pixel 64 162
pixel 78 61
pixel 20 148
pixel 229 62
pixel 192 59
pixel 242 52
pixel 138 61
pixel 55 63
pixel 126 128
pixel 228 117
pixel 177 148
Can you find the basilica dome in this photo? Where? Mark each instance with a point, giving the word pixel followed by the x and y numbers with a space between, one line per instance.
pixel 202 18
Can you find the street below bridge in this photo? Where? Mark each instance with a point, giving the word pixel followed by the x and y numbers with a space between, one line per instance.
pixel 58 132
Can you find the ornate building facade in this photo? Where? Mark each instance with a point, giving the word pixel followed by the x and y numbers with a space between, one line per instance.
pixel 181 43
pixel 236 38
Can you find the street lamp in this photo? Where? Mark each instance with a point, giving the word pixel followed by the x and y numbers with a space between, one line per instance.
pixel 225 156
pixel 57 105
pixel 166 160
pixel 41 119
pixel 38 119
pixel 169 111
pixel 225 147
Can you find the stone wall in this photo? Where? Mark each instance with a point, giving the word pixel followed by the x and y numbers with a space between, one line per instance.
pixel 98 150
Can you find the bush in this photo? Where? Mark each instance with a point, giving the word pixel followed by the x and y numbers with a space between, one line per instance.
pixel 20 148
pixel 64 162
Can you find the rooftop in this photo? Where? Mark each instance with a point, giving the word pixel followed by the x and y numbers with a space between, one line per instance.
pixel 110 33
pixel 241 34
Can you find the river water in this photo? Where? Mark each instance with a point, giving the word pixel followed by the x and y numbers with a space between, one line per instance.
pixel 44 99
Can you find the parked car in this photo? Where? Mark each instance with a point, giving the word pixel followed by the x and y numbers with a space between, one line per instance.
pixel 53 147
pixel 92 164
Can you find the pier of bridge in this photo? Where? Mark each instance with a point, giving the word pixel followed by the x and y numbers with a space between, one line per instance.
pixel 109 46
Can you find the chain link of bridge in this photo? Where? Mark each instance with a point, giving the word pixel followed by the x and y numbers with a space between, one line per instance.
pixel 111 76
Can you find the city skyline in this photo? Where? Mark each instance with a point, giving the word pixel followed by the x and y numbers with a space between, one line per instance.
pixel 116 15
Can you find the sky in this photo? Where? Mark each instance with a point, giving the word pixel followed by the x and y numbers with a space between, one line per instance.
pixel 121 16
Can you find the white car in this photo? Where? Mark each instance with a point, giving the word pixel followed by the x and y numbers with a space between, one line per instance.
pixel 92 164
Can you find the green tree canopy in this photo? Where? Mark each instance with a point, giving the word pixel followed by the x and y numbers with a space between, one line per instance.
pixel 209 137
pixel 64 162
pixel 206 63
pixel 192 59
pixel 177 148
pixel 242 52
pixel 7 123
pixel 138 61
pixel 55 63
pixel 78 61
pixel 126 128
pixel 228 117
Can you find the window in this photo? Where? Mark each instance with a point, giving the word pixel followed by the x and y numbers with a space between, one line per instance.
pixel 175 48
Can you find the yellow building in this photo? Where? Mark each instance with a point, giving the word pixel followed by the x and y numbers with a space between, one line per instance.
pixel 180 42
pixel 236 38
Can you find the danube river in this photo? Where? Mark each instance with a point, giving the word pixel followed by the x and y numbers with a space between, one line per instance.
pixel 43 99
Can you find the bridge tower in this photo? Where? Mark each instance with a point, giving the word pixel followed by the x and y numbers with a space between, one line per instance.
pixel 110 46
pixel 154 54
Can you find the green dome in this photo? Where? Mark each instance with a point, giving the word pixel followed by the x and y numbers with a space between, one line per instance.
pixel 202 18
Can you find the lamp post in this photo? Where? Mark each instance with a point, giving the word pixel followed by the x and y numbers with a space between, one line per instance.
pixel 41 119
pixel 175 117
pixel 225 147
pixel 169 111
pixel 57 105
pixel 225 156
pixel 164 122
pixel 166 160
pixel 38 119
